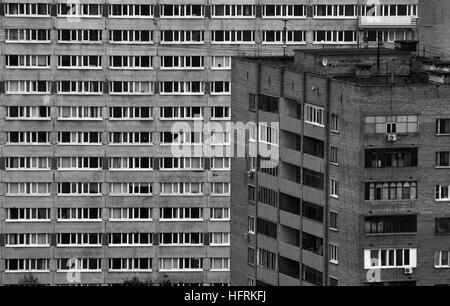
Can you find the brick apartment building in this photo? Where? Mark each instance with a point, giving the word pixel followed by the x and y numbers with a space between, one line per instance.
pixel 88 96
pixel 359 193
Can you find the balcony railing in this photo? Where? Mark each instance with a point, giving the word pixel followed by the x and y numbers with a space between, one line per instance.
pixel 387 21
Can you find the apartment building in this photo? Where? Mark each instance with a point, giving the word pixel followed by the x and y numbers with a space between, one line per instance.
pixel 91 191
pixel 359 192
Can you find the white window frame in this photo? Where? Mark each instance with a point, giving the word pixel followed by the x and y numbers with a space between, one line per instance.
pixel 28 190
pixel 130 139
pixel 180 189
pixel 125 189
pixel 28 163
pixel 25 36
pixel 27 88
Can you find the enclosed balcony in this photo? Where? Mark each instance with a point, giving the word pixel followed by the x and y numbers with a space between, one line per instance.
pixel 387 22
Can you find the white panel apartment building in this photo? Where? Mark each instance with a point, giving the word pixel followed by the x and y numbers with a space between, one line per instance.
pixel 89 93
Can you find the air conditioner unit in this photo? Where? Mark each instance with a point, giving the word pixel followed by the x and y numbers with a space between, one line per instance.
pixel 408 271
pixel 392 137
pixel 251 173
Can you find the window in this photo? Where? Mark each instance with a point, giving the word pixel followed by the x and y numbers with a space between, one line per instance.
pixel 77 239
pixel 80 62
pixel 391 157
pixel 390 224
pixel 182 62
pixel 182 37
pixel 441 259
pixel 251 256
pixel 252 102
pixel 27 265
pixel 27 163
pixel 80 163
pixel 221 62
pixel 268 134
pixel 27 61
pixel 130 113
pixel 79 265
pixel 280 37
pixel 79 10
pixel 183 11
pixel 268 196
pixel 333 11
pixel 312 276
pixel 81 189
pixel 220 88
pixel 182 88
pixel 334 282
pixel 233 11
pixel 181 163
pixel 27 87
pixel 220 189
pixel 391 124
pixel 130 11
pixel 334 155
pixel 313 146
pixel 219 214
pixel 220 163
pixel 130 264
pixel 28 189
pixel 27 36
pixel 130 239
pixel 219 239
pixel 334 188
pixel 266 259
pixel 333 221
pixel 386 35
pixel 28 215
pixel 79 113
pixel 442 225
pixel 390 258
pixel 334 253
pixel 27 9
pixel 280 11
pixel 334 123
pixel 388 191
pixel 80 36
pixel 312 211
pixel 268 103
pixel 129 189
pixel 251 225
pixel 266 228
pixel 79 138
pixel 80 87
pixel 130 88
pixel 28 113
pixel 178 189
pixel 29 138
pixel 443 127
pixel 314 115
pixel 169 138
pixel 233 36
pixel 335 37
pixel 131 62
pixel 313 179
pixel 251 194
pixel 130 214
pixel 220 264
pixel 181 214
pixel 79 214
pixel 442 159
pixel 389 10
pixel 220 113
pixel 220 138
pixel 131 37
pixel 130 138
pixel 181 113
pixel 130 163
pixel 27 240
pixel 180 264
pixel 180 239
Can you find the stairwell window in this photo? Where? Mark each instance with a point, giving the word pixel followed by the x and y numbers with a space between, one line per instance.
pixel 27 61
pixel 129 189
pixel 79 138
pixel 27 87
pixel 28 189
pixel 79 189
pixel 27 9
pixel 27 36
pixel 130 11
pixel 130 88
pixel 131 37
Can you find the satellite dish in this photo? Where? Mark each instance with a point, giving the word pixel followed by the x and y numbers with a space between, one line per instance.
pixel 325 62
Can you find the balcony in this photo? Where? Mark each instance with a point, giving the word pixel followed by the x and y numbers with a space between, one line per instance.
pixel 387 21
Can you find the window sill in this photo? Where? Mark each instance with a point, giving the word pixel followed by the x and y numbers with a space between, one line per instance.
pixel 131 17
pixel 182 195
pixel 182 119
pixel 78 221
pixel 80 170
pixel 78 195
pixel 130 170
pixel 181 220
pixel 130 94
pixel 28 68
pixel 27 119
pixel 80 144
pixel 129 271
pixel 129 245
pixel 80 119
pixel 130 119
pixel 130 220
pixel 182 94
pixel 182 42
pixel 27 271
pixel 130 144
pixel 29 221
pixel 180 270
pixel 284 17
pixel 131 68
pixel 79 93
pixel 27 42
pixel 9 170
pixel 79 68
pixel 79 42
pixel 78 246
pixel 131 195
pixel 27 246
pixel 182 68
pixel 78 271
pixel 28 195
